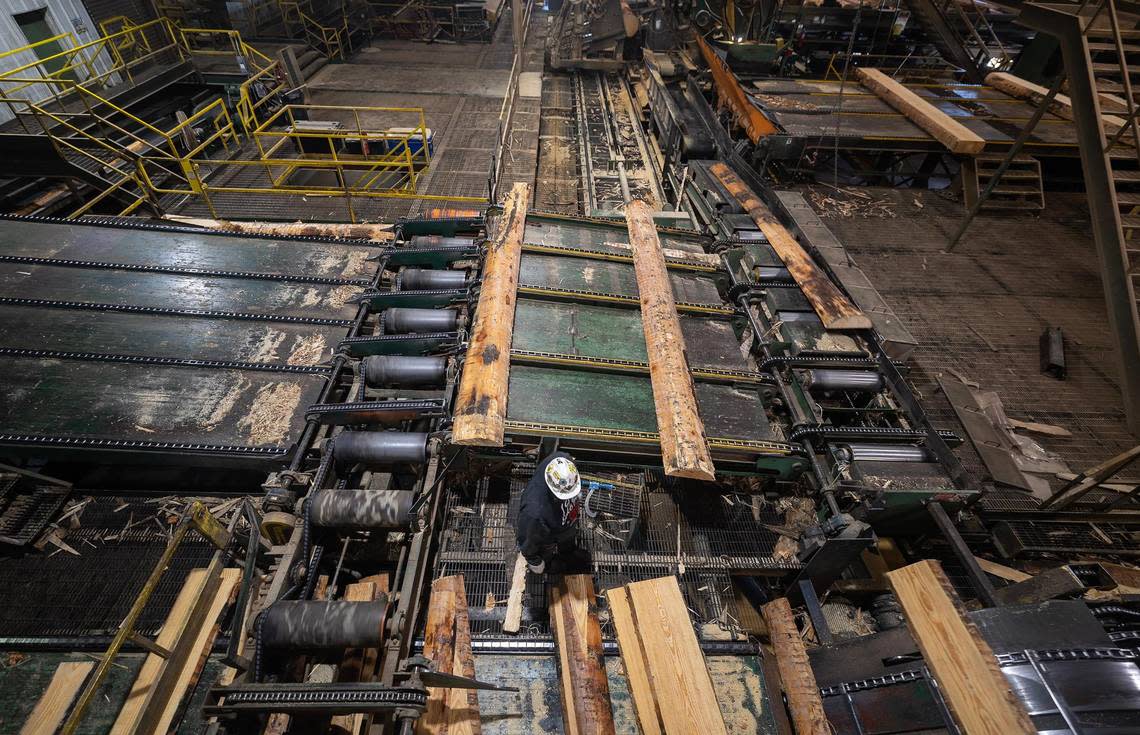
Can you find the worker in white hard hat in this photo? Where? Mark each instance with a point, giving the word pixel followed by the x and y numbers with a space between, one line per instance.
pixel 548 517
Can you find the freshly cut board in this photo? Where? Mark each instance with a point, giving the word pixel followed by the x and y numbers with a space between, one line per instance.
pixel 56 700
pixel 578 637
pixel 447 643
pixel 669 683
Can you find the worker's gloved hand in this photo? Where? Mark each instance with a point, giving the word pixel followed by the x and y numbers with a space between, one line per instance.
pixel 538 568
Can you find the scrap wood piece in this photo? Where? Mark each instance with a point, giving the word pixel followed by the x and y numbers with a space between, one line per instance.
pixel 684 447
pixel 796 675
pixel 834 309
pixel 1061 106
pixel 1002 571
pixel 946 130
pixel 375 233
pixel 53 704
pixel 681 688
pixel 447 643
pixel 481 405
pixel 978 695
pixel 513 620
pixel 578 638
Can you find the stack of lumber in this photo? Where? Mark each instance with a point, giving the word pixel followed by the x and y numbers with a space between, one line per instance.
pixel 578 637
pixel 447 644
pixel 669 683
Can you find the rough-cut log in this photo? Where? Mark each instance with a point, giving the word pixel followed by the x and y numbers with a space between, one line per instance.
pixel 684 448
pixel 954 135
pixel 578 638
pixel 977 693
pixel 833 308
pixel 481 406
pixel 1062 106
pixel 374 233
pixel 798 681
pixel 447 643
pixel 53 704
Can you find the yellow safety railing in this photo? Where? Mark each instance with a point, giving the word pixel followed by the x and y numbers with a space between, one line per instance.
pixel 332 42
pixel 256 95
pixel 223 42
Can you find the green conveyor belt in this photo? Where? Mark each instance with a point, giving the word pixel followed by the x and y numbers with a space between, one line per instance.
pixel 597 237
pixel 606 277
pixel 581 399
pixel 612 332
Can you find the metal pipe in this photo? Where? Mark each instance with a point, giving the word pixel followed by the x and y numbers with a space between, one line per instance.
pixel 379 447
pixel 405 321
pixel 324 624
pixel 404 370
pixel 423 279
pixel 361 509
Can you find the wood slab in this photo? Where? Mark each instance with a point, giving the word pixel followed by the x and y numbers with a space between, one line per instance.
pixel 978 695
pixel 581 661
pixel 834 309
pixel 481 405
pixel 946 130
pixel 681 689
pixel 447 643
pixel 796 675
pixel 684 447
pixel 54 703
pixel 1062 106
pixel 633 660
pixel 513 620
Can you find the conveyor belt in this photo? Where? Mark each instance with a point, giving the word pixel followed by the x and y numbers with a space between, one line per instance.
pixel 165 341
pixel 606 277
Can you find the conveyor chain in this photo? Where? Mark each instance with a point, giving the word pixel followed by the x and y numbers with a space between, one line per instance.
pixel 161 311
pixel 821 361
pixel 865 433
pixel 572 293
pixel 671 261
pixel 609 363
pixel 165 361
pixel 1068 654
pixel 83 442
pixel 171 271
pixel 347 698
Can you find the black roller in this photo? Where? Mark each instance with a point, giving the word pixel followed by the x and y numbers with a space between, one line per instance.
pixel 361 509
pixel 440 241
pixel 404 321
pixel 404 371
pixel 380 447
pixel 426 279
pixel 319 624
pixel 864 381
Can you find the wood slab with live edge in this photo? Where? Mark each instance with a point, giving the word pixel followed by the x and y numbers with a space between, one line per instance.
pixel 684 447
pixel 581 661
pixel 481 404
pixel 977 693
pixel 796 676
pixel 946 130
pixel 834 309
pixel 447 644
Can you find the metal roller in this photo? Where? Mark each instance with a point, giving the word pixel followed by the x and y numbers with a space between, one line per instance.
pixel 867 452
pixel 379 448
pixel 426 279
pixel 864 381
pixel 361 509
pixel 404 321
pixel 321 624
pixel 404 370
pixel 440 241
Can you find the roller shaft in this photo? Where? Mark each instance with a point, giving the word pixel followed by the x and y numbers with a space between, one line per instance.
pixel 379 448
pixel 361 509
pixel 404 370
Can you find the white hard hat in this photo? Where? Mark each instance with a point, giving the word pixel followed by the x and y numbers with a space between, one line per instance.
pixel 562 478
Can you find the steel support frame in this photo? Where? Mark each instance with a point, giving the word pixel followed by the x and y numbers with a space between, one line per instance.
pixel 1107 231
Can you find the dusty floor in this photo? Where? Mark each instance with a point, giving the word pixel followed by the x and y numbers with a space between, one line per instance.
pixel 980 310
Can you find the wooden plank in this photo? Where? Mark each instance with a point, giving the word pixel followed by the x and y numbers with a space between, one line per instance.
pixel 833 308
pixel 168 636
pixel 578 638
pixel 513 620
pixel 1062 106
pixel 682 686
pixel 633 660
pixel 481 406
pixel 796 675
pixel 946 130
pixel 447 643
pixel 977 693
pixel 684 447
pixel 54 703
pixel 1002 571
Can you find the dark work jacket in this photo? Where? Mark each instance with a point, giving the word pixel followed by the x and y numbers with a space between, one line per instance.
pixel 544 520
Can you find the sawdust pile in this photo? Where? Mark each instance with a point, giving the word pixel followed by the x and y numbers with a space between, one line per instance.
pixel 269 417
pixel 307 350
pixel 783 102
pixel 848 202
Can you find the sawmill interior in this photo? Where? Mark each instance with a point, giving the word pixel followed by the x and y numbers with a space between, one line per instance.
pixel 460 367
